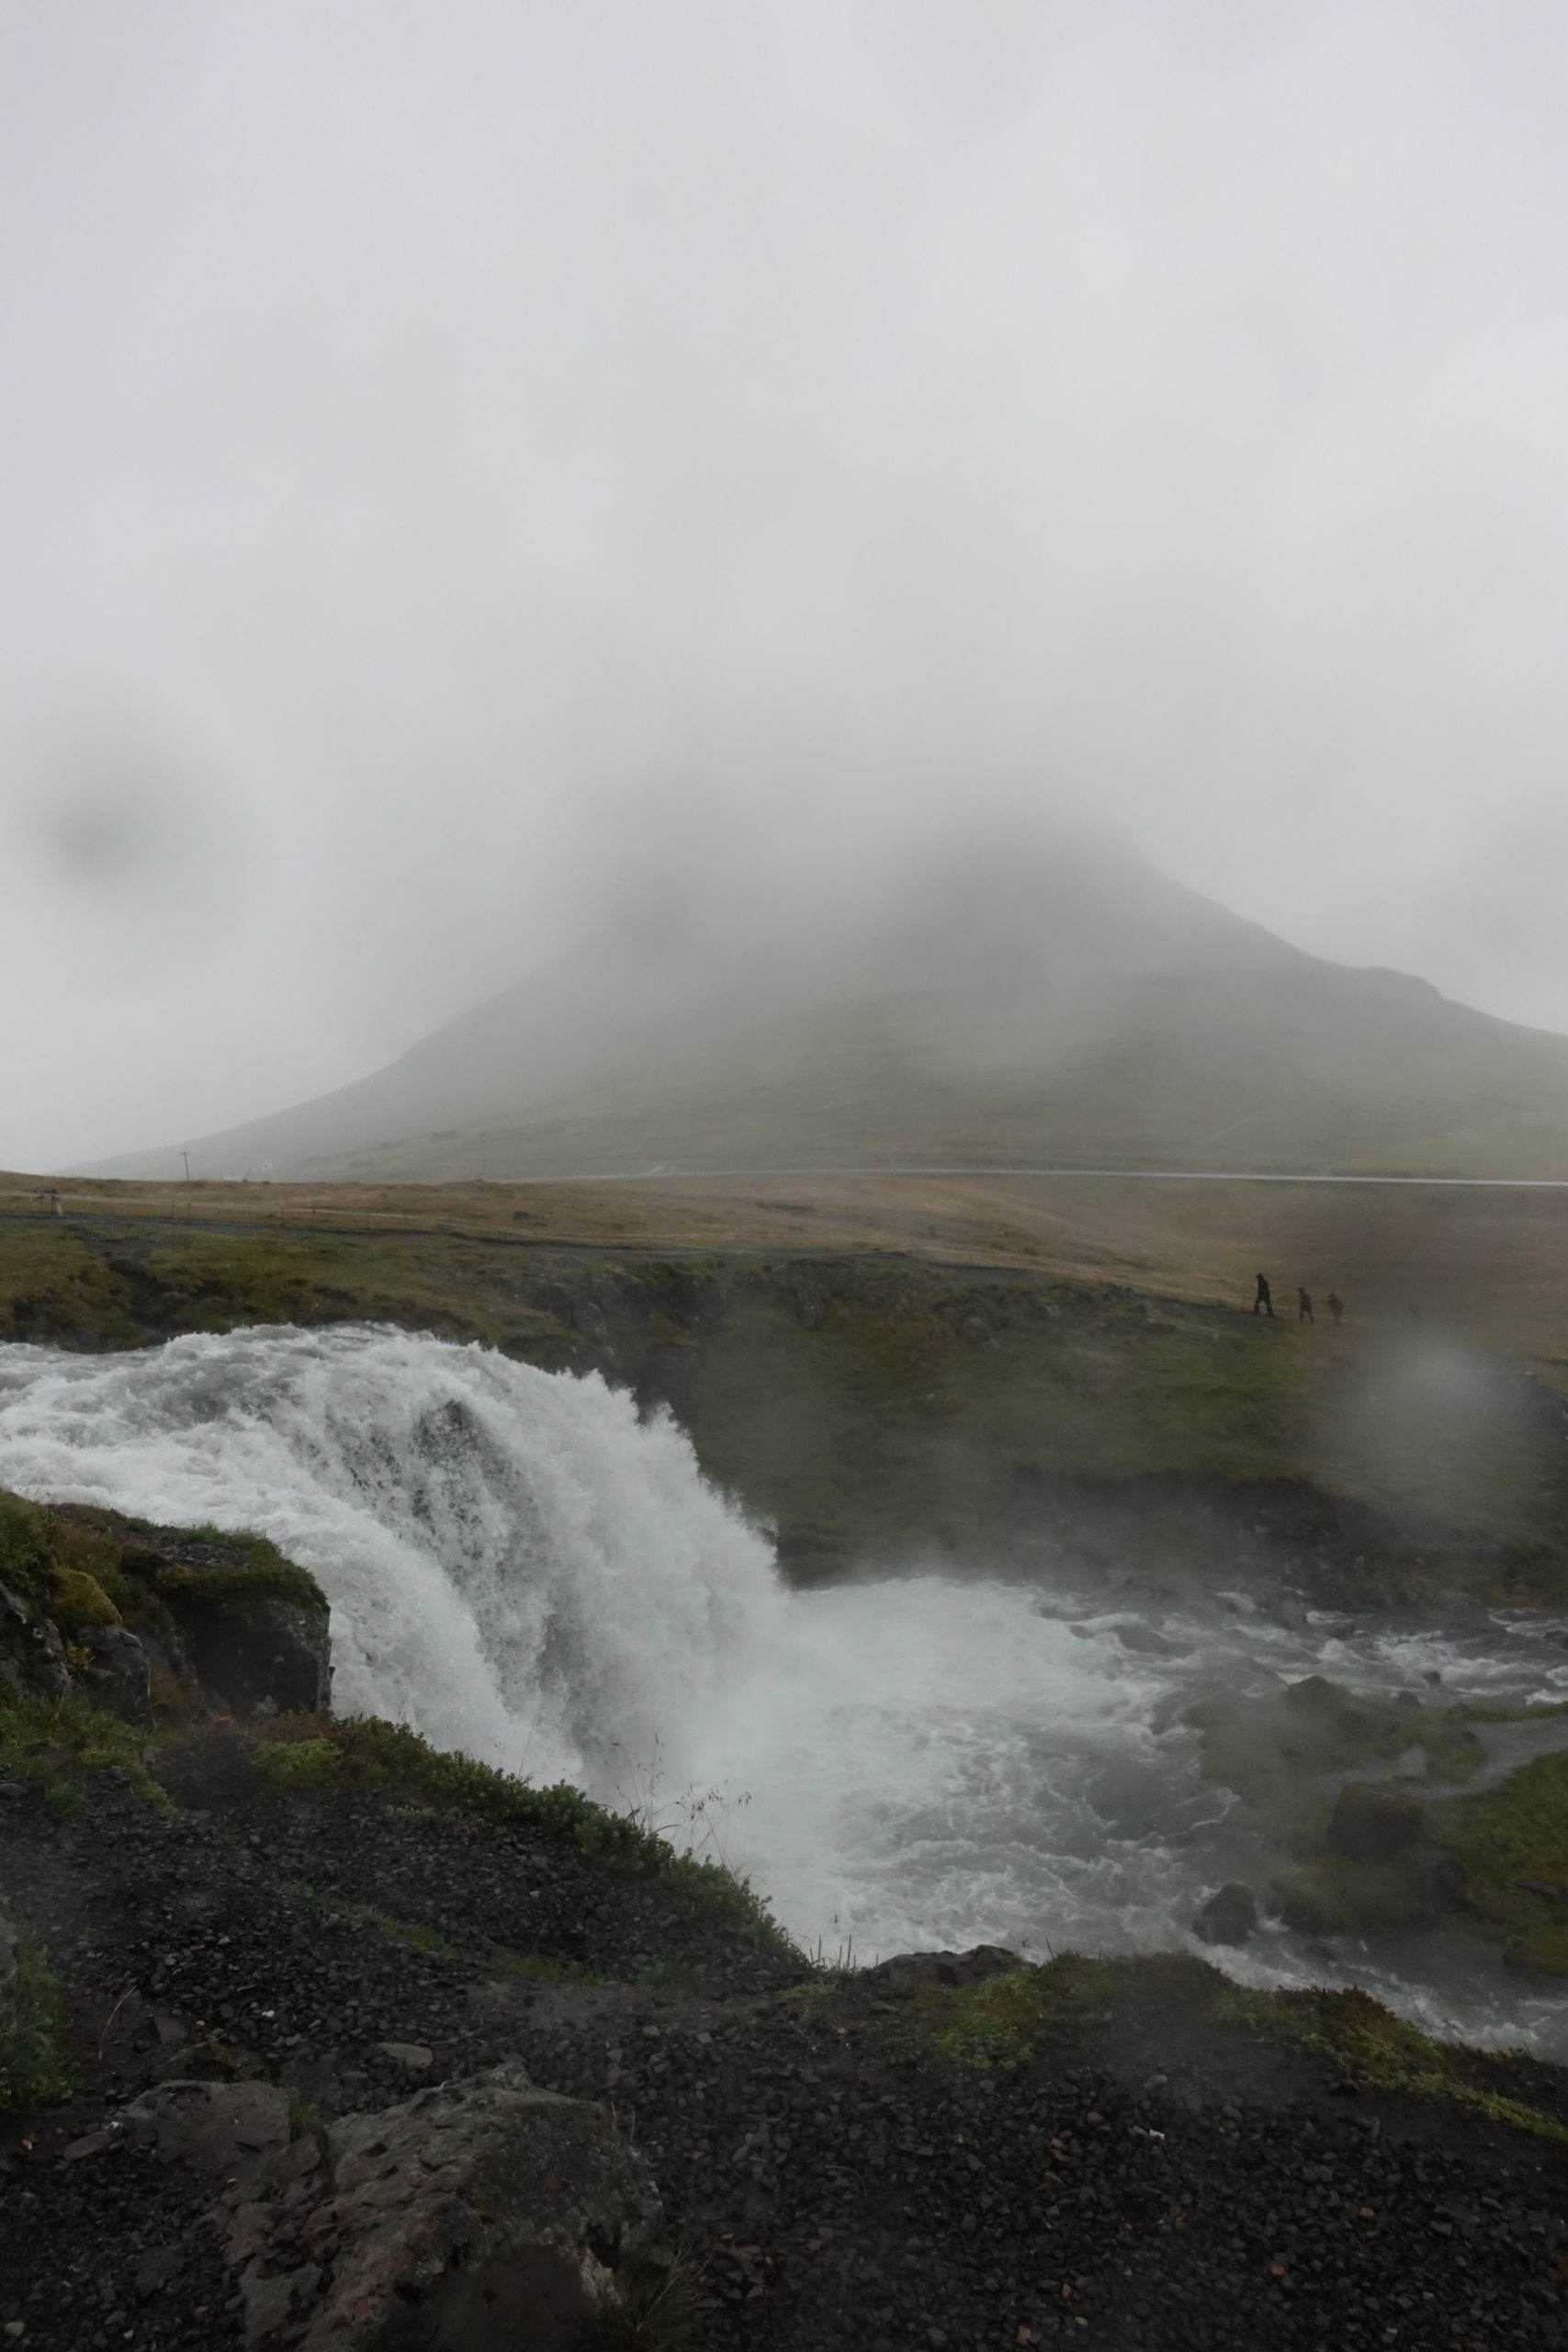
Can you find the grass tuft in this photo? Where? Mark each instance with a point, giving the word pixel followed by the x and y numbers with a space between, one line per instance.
pixel 32 2060
pixel 1001 2023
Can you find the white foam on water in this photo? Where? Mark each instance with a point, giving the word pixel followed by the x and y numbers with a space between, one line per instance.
pixel 521 1567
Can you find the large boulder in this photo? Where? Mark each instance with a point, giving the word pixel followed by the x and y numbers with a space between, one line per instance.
pixel 1372 1823
pixel 1229 1916
pixel 909 1972
pixel 251 1625
pixel 118 1672
pixel 262 1652
pixel 473 2218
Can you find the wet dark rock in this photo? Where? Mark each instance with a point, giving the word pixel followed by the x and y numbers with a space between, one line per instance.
pixel 261 1652
pixel 909 1970
pixel 1371 1824
pixel 418 2224
pixel 1229 1916
pixel 588 1318
pixel 1441 1875
pixel 118 1672
pixel 32 1656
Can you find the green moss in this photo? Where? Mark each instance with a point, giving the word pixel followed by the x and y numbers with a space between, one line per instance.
pixel 32 2057
pixel 1336 1896
pixel 77 1601
pixel 1276 1751
pixel 1364 2041
pixel 1513 1841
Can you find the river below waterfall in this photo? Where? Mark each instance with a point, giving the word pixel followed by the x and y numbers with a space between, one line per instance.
pixel 520 1566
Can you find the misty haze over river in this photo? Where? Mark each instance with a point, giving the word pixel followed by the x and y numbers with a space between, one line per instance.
pixel 521 1567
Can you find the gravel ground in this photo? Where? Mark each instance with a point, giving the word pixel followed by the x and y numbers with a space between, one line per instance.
pixel 1132 2185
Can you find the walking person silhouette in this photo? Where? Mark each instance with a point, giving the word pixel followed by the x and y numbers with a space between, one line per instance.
pixel 1264 1302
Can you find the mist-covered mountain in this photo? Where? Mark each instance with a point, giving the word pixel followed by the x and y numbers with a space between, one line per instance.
pixel 1037 1007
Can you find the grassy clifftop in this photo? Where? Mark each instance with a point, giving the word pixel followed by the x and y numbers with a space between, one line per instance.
pixel 876 1404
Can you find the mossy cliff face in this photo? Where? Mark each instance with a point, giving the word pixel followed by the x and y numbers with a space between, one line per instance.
pixel 143 1621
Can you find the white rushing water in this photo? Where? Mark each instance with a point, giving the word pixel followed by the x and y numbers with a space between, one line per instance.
pixel 521 1567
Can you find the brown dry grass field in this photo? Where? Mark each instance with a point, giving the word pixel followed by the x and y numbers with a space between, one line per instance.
pixel 1486 1264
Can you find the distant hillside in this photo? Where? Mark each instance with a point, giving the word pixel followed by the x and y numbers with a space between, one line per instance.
pixel 1077 1008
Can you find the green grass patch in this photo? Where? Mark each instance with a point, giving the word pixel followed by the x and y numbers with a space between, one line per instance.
pixel 1513 1841
pixel 1275 1751
pixel 296 1763
pixel 533 1968
pixel 32 2058
pixel 410 1932
pixel 673 1976
pixel 29 1548
pixel 43 1740
pixel 1336 1896
pixel 1003 2022
pixel 178 1563
pixel 521 1967
pixel 1367 2043
pixel 361 1751
pixel 304 2120
pixel 664 2311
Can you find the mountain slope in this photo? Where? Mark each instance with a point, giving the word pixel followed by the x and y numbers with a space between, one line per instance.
pixel 1076 1007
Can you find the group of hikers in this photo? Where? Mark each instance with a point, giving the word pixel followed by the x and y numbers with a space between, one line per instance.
pixel 1264 1303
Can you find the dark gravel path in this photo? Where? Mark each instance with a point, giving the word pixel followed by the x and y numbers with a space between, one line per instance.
pixel 1129 2186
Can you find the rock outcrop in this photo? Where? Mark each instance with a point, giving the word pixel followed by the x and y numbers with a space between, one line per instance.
pixel 1229 1916
pixel 32 1656
pixel 115 1672
pixel 136 1618
pixel 467 2219
pixel 907 1972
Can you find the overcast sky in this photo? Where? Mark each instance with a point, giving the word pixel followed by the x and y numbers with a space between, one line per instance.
pixel 435 439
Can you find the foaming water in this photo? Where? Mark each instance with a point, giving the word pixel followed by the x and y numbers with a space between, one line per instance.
pixel 521 1567
pixel 516 1564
